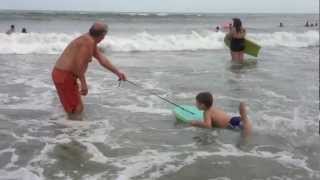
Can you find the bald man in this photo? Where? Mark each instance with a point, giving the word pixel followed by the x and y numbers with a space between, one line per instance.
pixel 72 65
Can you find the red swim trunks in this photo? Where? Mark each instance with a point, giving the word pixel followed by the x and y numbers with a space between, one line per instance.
pixel 67 89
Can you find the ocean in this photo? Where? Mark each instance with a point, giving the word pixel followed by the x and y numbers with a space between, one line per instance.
pixel 127 133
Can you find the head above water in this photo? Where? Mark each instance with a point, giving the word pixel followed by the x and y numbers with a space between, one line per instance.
pixel 237 24
pixel 12 26
pixel 204 100
pixel 24 30
pixel 98 30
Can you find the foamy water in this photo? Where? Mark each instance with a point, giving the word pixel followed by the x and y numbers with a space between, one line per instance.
pixel 54 43
pixel 128 133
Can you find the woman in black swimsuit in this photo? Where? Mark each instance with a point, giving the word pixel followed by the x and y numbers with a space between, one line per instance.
pixel 237 34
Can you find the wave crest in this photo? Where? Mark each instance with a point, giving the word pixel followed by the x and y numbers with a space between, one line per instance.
pixel 54 43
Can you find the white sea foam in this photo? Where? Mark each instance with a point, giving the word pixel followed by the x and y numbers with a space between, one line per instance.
pixel 146 160
pixel 21 173
pixel 97 156
pixel 142 164
pixel 287 39
pixel 220 178
pixel 136 108
pixel 166 162
pixel 54 43
pixel 32 102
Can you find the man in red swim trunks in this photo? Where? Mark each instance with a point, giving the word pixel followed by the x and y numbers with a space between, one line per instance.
pixel 72 65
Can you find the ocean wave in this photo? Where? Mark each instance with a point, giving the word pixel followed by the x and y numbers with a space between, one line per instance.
pixel 54 43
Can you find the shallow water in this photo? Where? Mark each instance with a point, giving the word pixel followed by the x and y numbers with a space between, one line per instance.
pixel 129 134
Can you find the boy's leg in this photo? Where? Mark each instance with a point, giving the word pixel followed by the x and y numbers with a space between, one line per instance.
pixel 244 118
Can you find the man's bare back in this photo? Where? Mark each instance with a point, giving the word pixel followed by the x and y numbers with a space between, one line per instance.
pixel 69 60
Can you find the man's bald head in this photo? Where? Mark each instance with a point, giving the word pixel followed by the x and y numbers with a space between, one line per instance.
pixel 98 29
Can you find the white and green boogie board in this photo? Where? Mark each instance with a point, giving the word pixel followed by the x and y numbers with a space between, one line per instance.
pixel 187 114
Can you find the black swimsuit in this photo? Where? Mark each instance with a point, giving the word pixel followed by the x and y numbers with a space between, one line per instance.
pixel 237 44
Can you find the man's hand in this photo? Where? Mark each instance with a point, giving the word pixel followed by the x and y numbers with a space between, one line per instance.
pixel 122 76
pixel 84 90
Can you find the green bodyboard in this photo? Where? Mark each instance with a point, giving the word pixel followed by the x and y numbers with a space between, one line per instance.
pixel 184 115
pixel 250 47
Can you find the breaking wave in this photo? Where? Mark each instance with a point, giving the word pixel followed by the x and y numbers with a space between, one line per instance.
pixel 54 43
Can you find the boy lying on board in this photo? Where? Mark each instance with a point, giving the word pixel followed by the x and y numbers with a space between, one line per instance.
pixel 215 117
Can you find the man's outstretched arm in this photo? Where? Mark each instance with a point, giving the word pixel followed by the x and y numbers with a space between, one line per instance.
pixel 106 63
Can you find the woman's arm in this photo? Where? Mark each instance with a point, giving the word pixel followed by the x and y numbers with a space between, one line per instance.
pixel 244 33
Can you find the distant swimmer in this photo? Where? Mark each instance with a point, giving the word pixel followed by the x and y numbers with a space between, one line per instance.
pixel 72 65
pixel 237 36
pixel 281 24
pixel 215 117
pixel 24 30
pixel 307 24
pixel 217 29
pixel 11 30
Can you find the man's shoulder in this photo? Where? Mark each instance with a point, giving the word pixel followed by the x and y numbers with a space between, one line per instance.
pixel 85 41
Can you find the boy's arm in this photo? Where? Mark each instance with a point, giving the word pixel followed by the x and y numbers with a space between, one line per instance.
pixel 206 123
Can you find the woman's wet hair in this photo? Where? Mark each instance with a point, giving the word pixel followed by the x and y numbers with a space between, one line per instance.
pixel 205 98
pixel 237 24
pixel 98 31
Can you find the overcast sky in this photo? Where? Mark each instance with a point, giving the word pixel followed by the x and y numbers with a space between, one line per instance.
pixel 211 6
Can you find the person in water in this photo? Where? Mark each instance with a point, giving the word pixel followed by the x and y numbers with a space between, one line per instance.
pixel 215 117
pixel 72 65
pixel 281 24
pixel 11 30
pixel 236 35
pixel 24 30
pixel 217 29
pixel 307 24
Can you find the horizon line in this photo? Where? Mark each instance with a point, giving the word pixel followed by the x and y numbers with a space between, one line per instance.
pixel 174 12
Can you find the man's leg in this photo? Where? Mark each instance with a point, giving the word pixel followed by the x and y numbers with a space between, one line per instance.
pixel 77 113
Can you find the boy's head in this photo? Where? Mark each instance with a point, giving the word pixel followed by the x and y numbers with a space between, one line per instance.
pixel 204 100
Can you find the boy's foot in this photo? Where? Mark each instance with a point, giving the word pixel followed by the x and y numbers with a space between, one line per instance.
pixel 244 118
pixel 243 111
